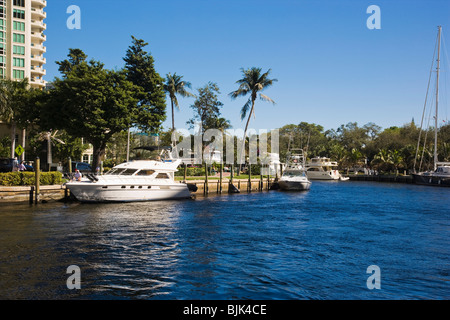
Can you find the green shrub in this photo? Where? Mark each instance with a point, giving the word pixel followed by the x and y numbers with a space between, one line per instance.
pixel 191 172
pixel 28 178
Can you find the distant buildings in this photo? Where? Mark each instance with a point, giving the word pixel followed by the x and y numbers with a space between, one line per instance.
pixel 22 40
pixel 22 47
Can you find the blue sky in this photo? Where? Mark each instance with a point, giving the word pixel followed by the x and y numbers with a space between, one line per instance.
pixel 331 68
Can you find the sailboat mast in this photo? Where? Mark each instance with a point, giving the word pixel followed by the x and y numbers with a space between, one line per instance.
pixel 437 99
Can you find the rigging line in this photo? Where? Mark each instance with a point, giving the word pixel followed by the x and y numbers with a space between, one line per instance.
pixel 426 135
pixel 446 67
pixel 424 106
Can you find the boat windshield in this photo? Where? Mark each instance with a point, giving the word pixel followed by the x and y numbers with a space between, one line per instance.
pixel 125 172
pixel 145 172
pixel 294 173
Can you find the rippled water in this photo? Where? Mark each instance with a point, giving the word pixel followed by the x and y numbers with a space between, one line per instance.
pixel 270 245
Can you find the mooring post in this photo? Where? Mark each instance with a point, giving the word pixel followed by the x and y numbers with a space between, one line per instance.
pixel 249 177
pixel 185 172
pixel 37 178
pixel 221 176
pixel 261 183
pixel 206 178
pixel 31 194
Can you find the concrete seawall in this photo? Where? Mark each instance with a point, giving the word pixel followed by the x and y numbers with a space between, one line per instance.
pixel 27 194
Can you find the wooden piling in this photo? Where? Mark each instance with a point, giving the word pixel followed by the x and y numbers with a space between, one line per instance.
pixel 37 180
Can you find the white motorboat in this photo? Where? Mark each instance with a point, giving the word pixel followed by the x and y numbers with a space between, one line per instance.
pixel 141 180
pixel 294 176
pixel 321 168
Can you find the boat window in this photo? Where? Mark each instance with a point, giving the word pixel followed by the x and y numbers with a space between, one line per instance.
pixel 162 176
pixel 128 172
pixel 145 172
pixel 112 171
pixel 295 173
pixel 313 169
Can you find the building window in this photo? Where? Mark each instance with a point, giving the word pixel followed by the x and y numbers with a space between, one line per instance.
pixel 18 26
pixel 19 50
pixel 19 3
pixel 18 37
pixel 2 36
pixel 18 74
pixel 19 14
pixel 2 24
pixel 19 62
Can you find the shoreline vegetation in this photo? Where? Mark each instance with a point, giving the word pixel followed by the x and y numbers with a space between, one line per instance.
pixel 115 112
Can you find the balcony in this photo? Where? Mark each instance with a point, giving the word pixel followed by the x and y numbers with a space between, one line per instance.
pixel 38 3
pixel 37 82
pixel 38 59
pixel 38 36
pixel 38 24
pixel 38 14
pixel 39 48
pixel 38 70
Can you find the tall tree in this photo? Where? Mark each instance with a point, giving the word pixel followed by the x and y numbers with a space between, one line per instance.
pixel 140 70
pixel 207 109
pixel 252 82
pixel 176 86
pixel 13 95
pixel 90 101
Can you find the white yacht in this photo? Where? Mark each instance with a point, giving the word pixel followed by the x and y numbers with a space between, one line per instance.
pixel 141 180
pixel 294 177
pixel 321 168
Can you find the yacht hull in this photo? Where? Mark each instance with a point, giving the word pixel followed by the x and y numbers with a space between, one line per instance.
pixel 92 192
pixel 294 185
pixel 318 175
pixel 431 180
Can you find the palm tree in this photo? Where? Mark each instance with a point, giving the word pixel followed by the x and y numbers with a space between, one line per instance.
pixel 12 96
pixel 176 86
pixel 252 83
pixel 51 138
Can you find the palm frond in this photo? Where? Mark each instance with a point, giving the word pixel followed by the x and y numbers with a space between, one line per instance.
pixel 266 98
pixel 245 108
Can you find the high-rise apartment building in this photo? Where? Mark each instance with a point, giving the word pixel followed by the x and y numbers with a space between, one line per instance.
pixel 22 40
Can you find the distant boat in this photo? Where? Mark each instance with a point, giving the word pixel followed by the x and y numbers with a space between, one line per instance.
pixel 294 176
pixel 440 176
pixel 321 168
pixel 141 180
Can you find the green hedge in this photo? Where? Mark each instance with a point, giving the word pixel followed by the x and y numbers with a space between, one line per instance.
pixel 28 178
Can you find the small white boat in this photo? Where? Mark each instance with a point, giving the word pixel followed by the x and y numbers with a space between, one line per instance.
pixel 141 180
pixel 321 168
pixel 294 176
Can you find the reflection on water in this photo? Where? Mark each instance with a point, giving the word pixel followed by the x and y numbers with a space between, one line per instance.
pixel 269 245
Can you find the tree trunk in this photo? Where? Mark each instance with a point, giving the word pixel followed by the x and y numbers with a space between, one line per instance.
pixel 24 132
pixel 49 150
pixel 173 124
pixel 245 133
pixel 13 138
pixel 99 151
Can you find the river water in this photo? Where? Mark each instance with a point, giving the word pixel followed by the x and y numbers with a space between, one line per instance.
pixel 262 245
